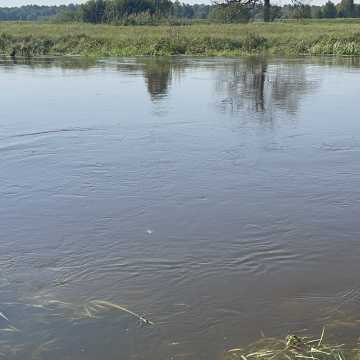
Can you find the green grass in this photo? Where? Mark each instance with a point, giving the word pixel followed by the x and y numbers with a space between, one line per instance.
pixel 336 37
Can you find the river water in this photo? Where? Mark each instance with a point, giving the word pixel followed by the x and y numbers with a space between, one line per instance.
pixel 218 198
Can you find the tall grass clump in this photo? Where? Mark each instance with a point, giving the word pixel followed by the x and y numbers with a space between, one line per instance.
pixel 293 347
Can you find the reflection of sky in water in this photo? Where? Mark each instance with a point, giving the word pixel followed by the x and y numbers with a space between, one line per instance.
pixel 218 197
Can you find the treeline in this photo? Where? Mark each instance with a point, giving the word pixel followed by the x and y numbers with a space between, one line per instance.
pixel 297 10
pixel 344 9
pixel 154 11
pixel 34 12
pixel 137 11
pixel 195 11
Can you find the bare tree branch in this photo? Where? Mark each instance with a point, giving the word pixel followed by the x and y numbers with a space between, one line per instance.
pixel 240 3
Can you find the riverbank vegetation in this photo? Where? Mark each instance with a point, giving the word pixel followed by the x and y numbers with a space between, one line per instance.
pixel 336 37
pixel 224 28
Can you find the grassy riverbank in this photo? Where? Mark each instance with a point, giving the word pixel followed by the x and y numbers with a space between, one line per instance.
pixel 336 37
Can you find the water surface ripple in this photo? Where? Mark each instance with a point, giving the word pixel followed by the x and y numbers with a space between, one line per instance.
pixel 217 197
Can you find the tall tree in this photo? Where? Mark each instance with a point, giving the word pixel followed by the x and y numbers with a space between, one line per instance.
pixel 235 9
pixel 266 10
pixel 329 10
pixel 93 11
pixel 345 8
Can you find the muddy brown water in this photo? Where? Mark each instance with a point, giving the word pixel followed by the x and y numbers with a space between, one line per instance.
pixel 219 198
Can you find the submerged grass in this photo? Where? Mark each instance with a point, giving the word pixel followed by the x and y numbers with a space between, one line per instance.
pixel 293 347
pixel 14 341
pixel 336 37
pixel 94 306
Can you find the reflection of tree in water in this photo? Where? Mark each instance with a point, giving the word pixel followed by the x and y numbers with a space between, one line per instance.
pixel 255 85
pixel 64 63
pixel 157 74
pixel 250 84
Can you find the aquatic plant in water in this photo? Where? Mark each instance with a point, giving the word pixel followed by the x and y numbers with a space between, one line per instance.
pixel 67 311
pixel 3 316
pixel 293 347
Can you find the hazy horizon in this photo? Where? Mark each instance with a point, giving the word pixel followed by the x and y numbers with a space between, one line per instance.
pixel 14 3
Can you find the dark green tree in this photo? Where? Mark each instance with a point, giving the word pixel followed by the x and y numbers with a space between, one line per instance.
pixel 93 11
pixel 329 10
pixel 234 10
pixel 345 8
pixel 267 8
pixel 230 13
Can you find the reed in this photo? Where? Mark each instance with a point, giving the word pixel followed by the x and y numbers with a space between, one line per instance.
pixel 293 347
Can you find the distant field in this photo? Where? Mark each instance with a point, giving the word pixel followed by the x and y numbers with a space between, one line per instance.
pixel 333 37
